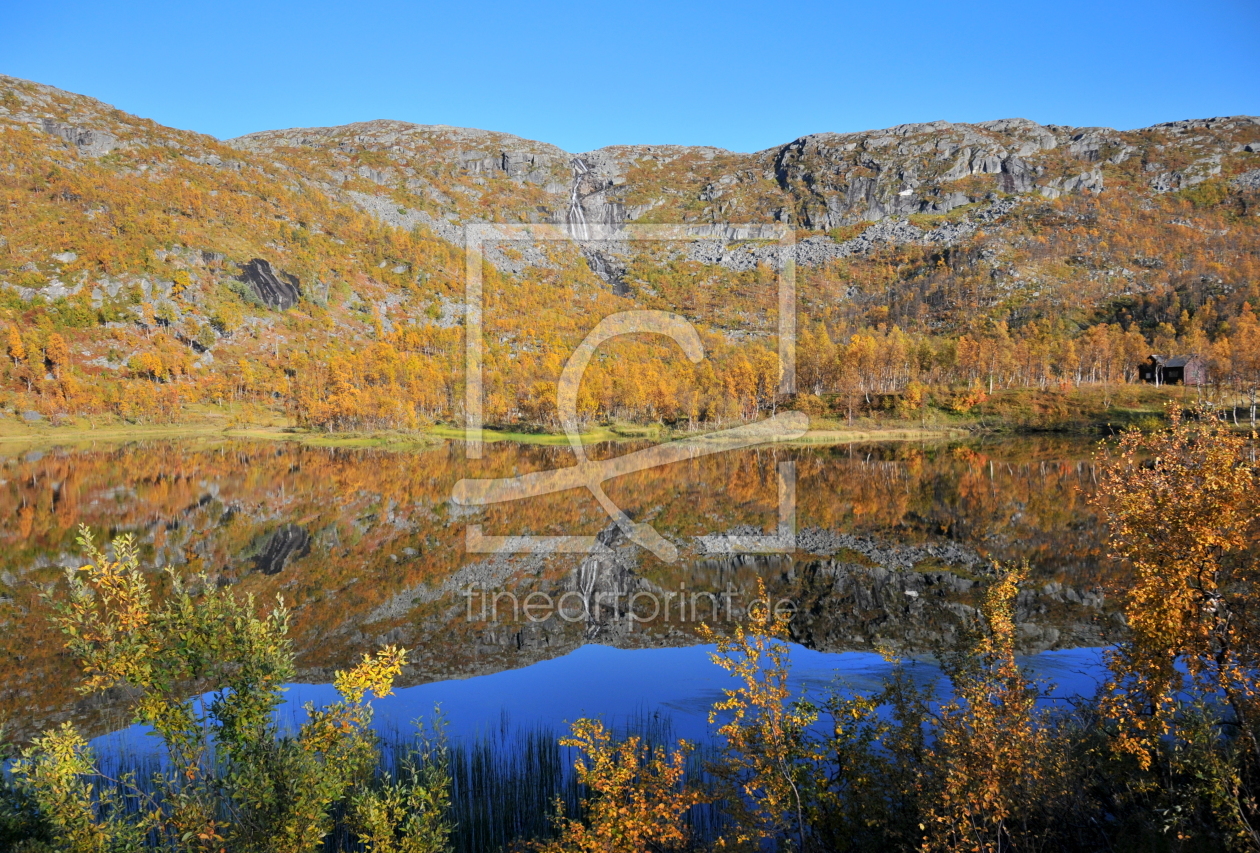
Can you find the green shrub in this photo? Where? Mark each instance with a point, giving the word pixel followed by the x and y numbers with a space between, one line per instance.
pixel 232 779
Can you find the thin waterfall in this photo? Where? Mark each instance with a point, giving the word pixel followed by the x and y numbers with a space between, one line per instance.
pixel 575 216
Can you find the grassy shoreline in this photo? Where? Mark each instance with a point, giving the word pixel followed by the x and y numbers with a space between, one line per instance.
pixel 1016 412
pixel 14 435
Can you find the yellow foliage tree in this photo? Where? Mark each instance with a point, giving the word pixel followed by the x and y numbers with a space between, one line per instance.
pixel 230 782
pixel 638 796
pixel 57 354
pixel 767 756
pixel 16 349
pixel 180 282
pixel 995 765
pixel 146 364
pixel 1181 506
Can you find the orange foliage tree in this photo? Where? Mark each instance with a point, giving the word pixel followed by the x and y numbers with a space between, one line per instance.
pixel 1181 505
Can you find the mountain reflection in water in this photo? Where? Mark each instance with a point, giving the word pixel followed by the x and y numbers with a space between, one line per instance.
pixel 366 547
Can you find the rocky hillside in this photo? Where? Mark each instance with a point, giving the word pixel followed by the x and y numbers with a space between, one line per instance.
pixel 321 269
pixel 824 184
pixel 819 182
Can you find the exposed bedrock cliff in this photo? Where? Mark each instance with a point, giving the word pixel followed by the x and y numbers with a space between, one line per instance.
pixel 274 290
pixel 444 177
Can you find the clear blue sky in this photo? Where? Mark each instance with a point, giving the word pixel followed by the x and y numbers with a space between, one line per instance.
pixel 740 75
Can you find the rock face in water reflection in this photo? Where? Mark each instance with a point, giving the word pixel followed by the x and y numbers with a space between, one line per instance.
pixel 850 606
pixel 277 548
pixel 366 548
pixel 850 593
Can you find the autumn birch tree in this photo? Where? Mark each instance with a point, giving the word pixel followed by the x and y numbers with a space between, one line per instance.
pixel 1182 511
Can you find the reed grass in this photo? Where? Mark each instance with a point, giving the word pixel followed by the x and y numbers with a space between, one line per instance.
pixel 507 783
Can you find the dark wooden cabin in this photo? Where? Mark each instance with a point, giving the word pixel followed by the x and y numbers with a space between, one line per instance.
pixel 1174 370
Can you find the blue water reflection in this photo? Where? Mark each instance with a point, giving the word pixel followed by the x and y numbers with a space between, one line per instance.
pixel 623 686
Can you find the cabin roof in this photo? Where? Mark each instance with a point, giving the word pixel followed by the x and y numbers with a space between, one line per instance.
pixel 1173 360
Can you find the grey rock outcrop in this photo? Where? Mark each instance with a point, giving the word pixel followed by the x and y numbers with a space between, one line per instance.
pixel 845 605
pixel 276 291
pixel 514 163
pixel 812 251
pixel 87 142
pixel 608 266
pixel 516 256
pixel 387 210
pixel 1247 180
pixel 815 251
pixel 828 543
pixel 1091 180
pixel 441 177
pixel 838 179
pixel 467 150
pixel 1195 173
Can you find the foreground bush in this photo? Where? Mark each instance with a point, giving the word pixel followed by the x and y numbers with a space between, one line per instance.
pixel 231 779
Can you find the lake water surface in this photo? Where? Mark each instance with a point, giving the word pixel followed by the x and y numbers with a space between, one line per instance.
pixel 894 544
pixel 629 689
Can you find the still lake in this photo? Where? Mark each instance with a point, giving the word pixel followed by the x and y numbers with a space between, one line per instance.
pixel 894 543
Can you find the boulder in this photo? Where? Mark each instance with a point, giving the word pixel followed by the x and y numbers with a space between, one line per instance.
pixel 276 291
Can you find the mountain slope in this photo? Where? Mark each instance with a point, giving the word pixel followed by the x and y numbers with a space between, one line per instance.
pixel 932 186
pixel 147 271
pixel 817 182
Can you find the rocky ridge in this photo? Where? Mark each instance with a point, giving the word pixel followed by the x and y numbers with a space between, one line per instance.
pixel 442 177
pixel 960 177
